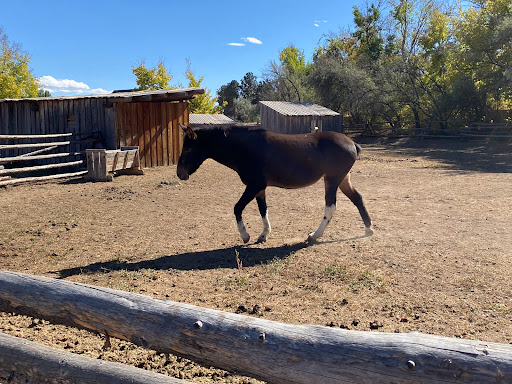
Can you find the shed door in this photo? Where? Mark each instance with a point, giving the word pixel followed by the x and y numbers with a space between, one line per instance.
pixel 153 127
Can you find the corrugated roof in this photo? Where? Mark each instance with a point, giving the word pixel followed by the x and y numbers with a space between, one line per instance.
pixel 158 95
pixel 209 119
pixel 287 108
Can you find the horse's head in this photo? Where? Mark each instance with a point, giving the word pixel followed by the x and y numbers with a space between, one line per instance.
pixel 192 155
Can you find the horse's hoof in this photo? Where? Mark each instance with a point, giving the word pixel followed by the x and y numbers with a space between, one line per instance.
pixel 369 231
pixel 262 238
pixel 246 237
pixel 311 238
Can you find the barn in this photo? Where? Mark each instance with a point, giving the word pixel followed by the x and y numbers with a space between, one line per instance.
pixel 147 119
pixel 292 117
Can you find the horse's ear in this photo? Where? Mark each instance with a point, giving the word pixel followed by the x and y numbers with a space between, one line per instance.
pixel 188 131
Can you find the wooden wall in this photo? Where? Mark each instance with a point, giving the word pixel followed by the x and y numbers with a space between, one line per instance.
pixel 78 116
pixel 276 122
pixel 154 128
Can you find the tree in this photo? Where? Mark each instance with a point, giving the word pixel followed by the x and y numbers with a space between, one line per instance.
pixel 43 93
pixel 249 88
pixel 368 32
pixel 344 87
pixel 289 77
pixel 16 79
pixel 294 60
pixel 201 103
pixel 228 94
pixel 246 111
pixel 151 78
pixel 484 34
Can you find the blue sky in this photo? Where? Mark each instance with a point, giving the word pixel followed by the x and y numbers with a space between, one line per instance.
pixel 90 46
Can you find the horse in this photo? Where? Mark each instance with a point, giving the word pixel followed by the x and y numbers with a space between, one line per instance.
pixel 263 158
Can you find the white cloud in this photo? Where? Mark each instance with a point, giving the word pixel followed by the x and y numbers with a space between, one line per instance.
pixel 252 40
pixel 53 85
pixel 236 44
pixel 317 23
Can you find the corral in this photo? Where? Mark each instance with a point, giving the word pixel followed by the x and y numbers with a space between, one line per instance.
pixel 438 262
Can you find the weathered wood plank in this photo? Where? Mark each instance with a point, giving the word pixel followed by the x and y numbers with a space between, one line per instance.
pixel 133 128
pixel 23 361
pixel 13 171
pixel 157 110
pixel 165 134
pixel 46 136
pixel 34 145
pixel 173 133
pixel 41 178
pixel 153 134
pixel 141 135
pixel 27 157
pixel 147 134
pixel 109 133
pixel 274 352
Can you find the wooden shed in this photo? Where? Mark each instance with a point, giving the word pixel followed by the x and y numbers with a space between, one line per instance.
pixel 147 119
pixel 291 117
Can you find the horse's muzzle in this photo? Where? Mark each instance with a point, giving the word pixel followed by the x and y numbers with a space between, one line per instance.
pixel 182 174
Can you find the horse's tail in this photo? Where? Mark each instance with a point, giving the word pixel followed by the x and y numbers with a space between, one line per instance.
pixel 358 149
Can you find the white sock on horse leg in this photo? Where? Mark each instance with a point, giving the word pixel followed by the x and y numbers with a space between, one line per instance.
pixel 243 232
pixel 328 213
pixel 266 229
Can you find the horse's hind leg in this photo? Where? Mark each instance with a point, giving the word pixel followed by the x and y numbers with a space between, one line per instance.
pixel 262 206
pixel 356 198
pixel 331 187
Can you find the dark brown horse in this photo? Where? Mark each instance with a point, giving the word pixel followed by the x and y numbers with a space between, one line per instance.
pixel 262 159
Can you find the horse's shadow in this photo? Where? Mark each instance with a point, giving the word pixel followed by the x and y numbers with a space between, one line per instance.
pixel 200 260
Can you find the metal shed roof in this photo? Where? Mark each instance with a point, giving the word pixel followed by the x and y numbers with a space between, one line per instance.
pixel 209 119
pixel 287 108
pixel 158 95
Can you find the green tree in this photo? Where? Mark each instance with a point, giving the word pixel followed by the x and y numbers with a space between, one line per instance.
pixel 228 94
pixel 16 79
pixel 151 78
pixel 368 32
pixel 289 77
pixel 246 111
pixel 484 36
pixel 294 60
pixel 43 93
pixel 249 88
pixel 202 103
pixel 344 87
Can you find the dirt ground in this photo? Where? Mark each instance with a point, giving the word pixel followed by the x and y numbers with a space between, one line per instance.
pixel 438 263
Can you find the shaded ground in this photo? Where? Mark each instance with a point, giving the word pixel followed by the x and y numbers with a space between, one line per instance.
pixel 438 262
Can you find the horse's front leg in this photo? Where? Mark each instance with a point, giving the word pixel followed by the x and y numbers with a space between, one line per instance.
pixel 262 206
pixel 331 186
pixel 249 194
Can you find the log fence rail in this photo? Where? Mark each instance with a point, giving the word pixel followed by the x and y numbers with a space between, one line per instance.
pixel 264 349
pixel 34 149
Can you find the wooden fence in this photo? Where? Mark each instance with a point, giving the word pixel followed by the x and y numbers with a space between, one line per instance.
pixel 35 150
pixel 436 129
pixel 271 351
